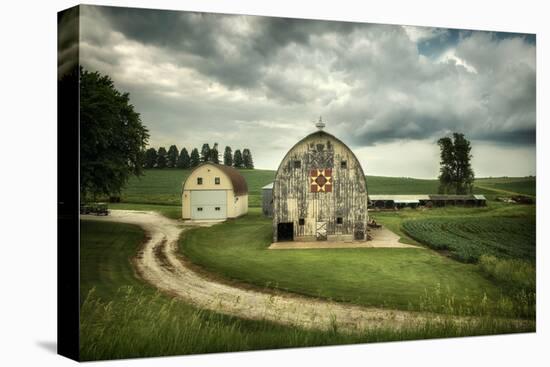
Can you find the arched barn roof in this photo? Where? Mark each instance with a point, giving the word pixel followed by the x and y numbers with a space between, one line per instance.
pixel 321 133
pixel 240 187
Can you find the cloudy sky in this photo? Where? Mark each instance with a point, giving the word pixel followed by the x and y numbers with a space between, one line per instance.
pixel 388 91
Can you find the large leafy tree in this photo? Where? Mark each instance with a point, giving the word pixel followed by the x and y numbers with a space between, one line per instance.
pixel 150 158
pixel 112 137
pixel 195 158
pixel 172 156
pixel 228 156
pixel 184 161
pixel 247 159
pixel 238 159
pixel 162 158
pixel 456 174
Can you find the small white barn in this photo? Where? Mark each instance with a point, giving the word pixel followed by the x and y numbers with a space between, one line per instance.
pixel 214 191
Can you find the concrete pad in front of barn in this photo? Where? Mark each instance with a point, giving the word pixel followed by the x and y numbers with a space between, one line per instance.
pixel 381 238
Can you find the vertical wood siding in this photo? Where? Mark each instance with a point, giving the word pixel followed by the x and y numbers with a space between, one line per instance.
pixel 293 200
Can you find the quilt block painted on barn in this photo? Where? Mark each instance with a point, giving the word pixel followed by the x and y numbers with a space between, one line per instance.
pixel 321 180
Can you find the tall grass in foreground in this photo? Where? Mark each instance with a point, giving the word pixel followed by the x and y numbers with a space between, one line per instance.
pixel 133 325
pixel 520 303
pixel 516 274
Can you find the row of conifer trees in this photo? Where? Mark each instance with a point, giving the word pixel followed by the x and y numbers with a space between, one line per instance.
pixel 174 158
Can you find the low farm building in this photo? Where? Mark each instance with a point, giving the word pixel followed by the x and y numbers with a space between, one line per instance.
pixel 267 200
pixel 214 191
pixel 319 192
pixel 413 201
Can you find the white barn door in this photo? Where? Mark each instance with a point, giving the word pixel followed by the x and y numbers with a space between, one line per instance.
pixel 208 204
pixel 321 231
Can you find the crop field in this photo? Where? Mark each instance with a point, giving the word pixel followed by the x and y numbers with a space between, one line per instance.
pixel 467 238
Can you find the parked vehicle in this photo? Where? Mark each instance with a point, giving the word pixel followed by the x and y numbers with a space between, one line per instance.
pixel 94 208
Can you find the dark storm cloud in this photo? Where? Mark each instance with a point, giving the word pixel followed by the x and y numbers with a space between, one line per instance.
pixel 269 78
pixel 203 35
pixel 197 32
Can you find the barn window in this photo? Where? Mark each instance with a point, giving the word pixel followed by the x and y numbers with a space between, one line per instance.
pixel 199 180
pixel 339 220
pixel 301 221
pixel 217 208
pixel 199 209
pixel 217 180
pixel 344 164
pixel 297 164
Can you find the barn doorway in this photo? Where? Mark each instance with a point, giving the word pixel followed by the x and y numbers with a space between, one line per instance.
pixel 321 231
pixel 285 232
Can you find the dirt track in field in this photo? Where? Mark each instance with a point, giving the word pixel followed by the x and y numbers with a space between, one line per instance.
pixel 160 264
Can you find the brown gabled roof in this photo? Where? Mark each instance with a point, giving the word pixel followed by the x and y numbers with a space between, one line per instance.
pixel 240 187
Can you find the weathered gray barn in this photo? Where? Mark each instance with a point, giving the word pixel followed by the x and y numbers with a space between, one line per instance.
pixel 320 192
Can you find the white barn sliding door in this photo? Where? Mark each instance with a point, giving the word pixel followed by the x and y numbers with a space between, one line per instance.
pixel 209 204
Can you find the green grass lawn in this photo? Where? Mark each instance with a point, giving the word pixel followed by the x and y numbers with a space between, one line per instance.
pixel 105 252
pixel 395 278
pixel 121 317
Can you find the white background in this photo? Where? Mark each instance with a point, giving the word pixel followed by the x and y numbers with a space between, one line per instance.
pixel 28 202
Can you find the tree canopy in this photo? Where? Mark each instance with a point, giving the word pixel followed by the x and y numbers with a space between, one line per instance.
pixel 195 158
pixel 150 158
pixel 228 156
pixel 112 137
pixel 162 158
pixel 214 154
pixel 456 173
pixel 172 156
pixel 247 159
pixel 205 152
pixel 238 159
pixel 184 161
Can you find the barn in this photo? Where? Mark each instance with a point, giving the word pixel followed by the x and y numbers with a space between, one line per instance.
pixel 214 191
pixel 320 192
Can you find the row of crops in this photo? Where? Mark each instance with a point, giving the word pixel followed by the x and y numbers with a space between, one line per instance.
pixel 467 238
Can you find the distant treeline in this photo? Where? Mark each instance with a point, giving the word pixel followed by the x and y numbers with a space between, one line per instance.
pixel 182 159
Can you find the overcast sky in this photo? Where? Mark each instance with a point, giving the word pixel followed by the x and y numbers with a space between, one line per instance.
pixel 388 91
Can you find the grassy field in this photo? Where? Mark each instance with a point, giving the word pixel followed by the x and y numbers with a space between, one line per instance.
pixel 395 278
pixel 163 187
pixel 121 317
pixel 510 185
